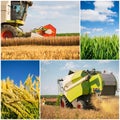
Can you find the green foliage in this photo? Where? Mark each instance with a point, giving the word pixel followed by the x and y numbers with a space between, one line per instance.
pixel 50 103
pixel 7 113
pixel 68 34
pixel 102 47
pixel 58 100
pixel 49 96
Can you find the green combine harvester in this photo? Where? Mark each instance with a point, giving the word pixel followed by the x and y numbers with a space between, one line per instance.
pixel 13 16
pixel 77 88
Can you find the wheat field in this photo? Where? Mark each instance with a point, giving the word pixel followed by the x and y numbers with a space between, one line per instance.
pixel 40 52
pixel 108 108
pixel 66 47
pixel 54 41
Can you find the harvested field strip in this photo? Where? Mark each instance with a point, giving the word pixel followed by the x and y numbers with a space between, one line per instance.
pixel 54 41
pixel 40 52
pixel 108 108
pixel 55 112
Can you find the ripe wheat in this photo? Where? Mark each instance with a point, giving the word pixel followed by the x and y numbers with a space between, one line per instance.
pixel 54 41
pixel 20 102
pixel 40 52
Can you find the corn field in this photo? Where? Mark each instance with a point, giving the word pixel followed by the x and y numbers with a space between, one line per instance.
pixel 102 47
pixel 20 102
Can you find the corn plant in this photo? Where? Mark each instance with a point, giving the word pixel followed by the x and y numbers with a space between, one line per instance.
pixel 102 47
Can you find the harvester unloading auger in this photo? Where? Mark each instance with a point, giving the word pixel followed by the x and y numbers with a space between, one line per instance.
pixel 13 15
pixel 78 87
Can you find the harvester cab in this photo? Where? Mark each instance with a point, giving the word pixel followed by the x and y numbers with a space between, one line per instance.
pixel 77 88
pixel 19 10
pixel 13 15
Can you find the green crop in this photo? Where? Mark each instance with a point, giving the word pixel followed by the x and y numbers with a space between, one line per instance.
pixel 102 47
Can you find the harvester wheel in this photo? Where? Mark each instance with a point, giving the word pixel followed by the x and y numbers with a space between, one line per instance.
pixel 65 103
pixel 8 31
pixel 81 105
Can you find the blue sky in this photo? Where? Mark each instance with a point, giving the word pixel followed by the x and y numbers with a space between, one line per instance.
pixel 99 17
pixel 64 15
pixel 19 70
pixel 51 71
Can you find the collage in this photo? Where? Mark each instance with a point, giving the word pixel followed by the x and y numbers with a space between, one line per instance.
pixel 59 59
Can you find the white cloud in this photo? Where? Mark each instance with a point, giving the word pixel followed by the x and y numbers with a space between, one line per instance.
pixel 103 61
pixel 51 14
pixel 117 30
pixel 110 20
pixel 87 32
pixel 83 28
pixel 91 30
pixel 92 15
pixel 46 62
pixel 52 9
pixel 104 6
pixel 69 66
pixel 43 70
pixel 86 66
pixel 63 15
pixel 101 12
pixel 55 7
pixel 97 29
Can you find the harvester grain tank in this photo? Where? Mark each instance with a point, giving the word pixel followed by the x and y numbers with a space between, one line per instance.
pixel 110 84
pixel 77 88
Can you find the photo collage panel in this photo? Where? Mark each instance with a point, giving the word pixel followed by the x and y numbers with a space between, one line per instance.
pixel 59 59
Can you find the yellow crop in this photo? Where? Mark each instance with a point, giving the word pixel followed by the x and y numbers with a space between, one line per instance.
pixel 54 41
pixel 20 102
pixel 108 109
pixel 40 52
pixel 66 47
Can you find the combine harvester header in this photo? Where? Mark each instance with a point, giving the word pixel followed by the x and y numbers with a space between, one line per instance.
pixel 44 31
